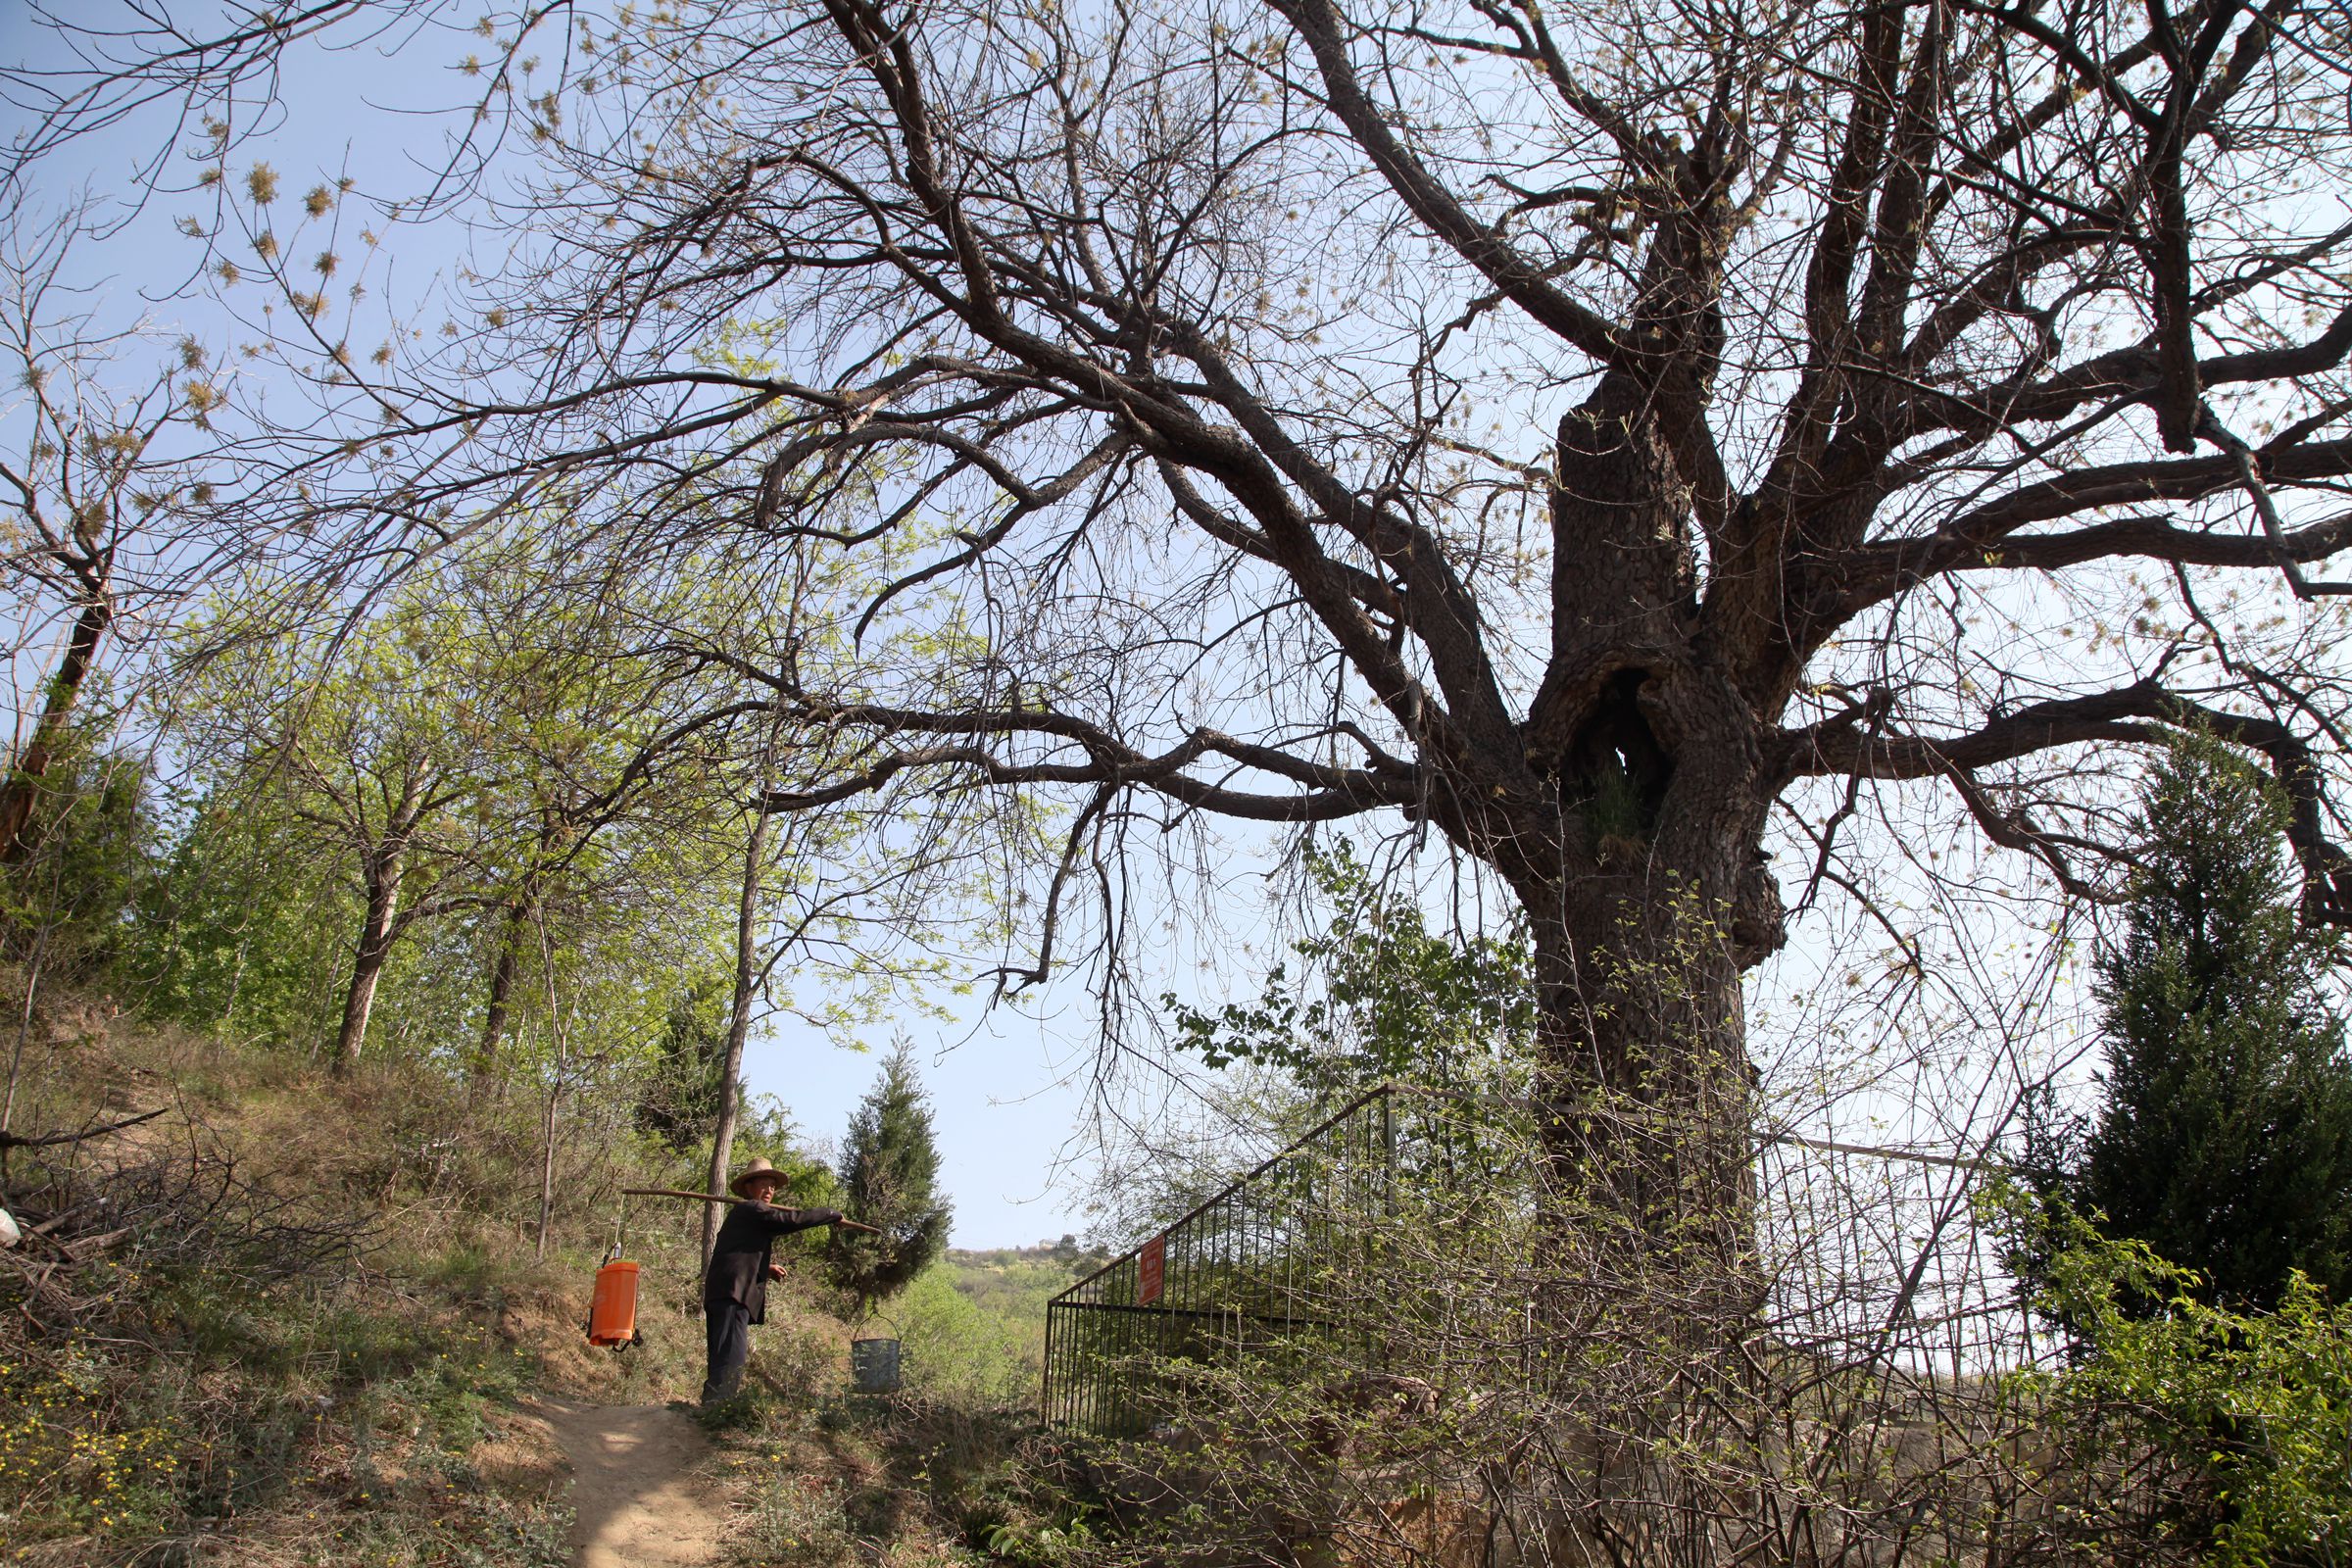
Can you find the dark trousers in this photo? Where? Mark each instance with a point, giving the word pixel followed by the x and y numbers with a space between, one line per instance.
pixel 729 1327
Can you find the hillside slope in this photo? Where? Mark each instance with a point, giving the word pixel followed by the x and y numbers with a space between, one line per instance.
pixel 290 1319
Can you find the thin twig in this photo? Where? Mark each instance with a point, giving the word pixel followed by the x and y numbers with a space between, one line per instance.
pixel 2250 476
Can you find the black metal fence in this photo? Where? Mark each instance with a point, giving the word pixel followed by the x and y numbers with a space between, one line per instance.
pixel 1409 1218
pixel 1275 1260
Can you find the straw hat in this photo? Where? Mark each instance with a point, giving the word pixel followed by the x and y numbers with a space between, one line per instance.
pixel 758 1167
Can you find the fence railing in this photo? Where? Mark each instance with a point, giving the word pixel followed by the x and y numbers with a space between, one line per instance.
pixel 1413 1217
pixel 1250 1270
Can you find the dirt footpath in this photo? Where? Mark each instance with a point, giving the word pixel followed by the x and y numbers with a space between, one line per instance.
pixel 638 1502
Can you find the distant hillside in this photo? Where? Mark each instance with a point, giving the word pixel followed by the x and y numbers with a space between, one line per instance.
pixel 1065 1254
pixel 974 1325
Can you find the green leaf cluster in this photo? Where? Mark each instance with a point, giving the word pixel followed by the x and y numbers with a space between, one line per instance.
pixel 227 941
pixel 2248 1412
pixel 1396 999
pixel 83 864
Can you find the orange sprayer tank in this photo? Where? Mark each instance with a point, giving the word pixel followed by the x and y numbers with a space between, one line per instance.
pixel 613 1311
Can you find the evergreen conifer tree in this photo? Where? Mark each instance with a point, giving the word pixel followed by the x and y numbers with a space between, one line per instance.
pixel 2224 1134
pixel 679 1097
pixel 889 1180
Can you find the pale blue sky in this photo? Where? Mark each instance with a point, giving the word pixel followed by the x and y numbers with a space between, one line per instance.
pixel 1008 1086
pixel 1004 1113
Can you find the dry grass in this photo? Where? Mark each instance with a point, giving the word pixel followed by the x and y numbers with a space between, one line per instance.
pixel 277 1325
pixel 315 1340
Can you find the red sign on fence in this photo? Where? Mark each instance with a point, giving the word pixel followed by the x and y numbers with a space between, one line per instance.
pixel 1150 1270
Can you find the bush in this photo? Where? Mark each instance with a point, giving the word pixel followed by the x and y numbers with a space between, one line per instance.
pixel 224 1349
pixel 955 1350
pixel 197 1363
pixel 2247 1416
pixel 82 863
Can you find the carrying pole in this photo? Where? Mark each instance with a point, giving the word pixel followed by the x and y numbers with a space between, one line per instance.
pixel 726 1197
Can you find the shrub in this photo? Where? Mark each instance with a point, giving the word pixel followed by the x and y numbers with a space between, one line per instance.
pixel 2247 1414
pixel 956 1350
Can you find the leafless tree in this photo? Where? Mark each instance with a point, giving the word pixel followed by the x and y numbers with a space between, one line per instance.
pixel 91 490
pixel 1579 429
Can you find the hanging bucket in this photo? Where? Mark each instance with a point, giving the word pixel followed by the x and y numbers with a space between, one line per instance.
pixel 874 1365
pixel 613 1311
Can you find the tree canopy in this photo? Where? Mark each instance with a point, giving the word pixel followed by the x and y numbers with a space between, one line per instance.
pixel 1587 434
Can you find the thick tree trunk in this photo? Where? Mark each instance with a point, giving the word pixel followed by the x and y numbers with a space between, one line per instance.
pixel 24 783
pixel 377 930
pixel 1644 1072
pixel 1633 839
pixel 739 1022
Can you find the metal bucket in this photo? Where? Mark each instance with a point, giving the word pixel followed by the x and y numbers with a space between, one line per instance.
pixel 874 1365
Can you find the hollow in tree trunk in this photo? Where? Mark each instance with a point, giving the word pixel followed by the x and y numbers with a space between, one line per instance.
pixel 1627 813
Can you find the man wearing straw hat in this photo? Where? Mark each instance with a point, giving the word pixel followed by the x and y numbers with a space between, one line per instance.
pixel 735 1284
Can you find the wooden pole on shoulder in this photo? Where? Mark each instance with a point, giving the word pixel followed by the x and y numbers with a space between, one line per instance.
pixel 726 1197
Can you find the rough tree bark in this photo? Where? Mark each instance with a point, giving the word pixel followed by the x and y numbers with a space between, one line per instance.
pixel 22 787
pixel 384 863
pixel 379 917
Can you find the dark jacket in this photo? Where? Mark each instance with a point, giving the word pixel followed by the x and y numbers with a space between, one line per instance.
pixel 738 1269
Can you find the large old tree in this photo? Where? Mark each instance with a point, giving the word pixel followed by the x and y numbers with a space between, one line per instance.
pixel 1569 426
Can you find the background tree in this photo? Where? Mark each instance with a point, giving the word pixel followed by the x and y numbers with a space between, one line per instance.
pixel 93 486
pixel 1580 432
pixel 90 495
pixel 889 1180
pixel 1380 998
pixel 365 754
pixel 225 940
pixel 580 821
pixel 680 1101
pixel 2223 1135
pixel 827 924
pixel 469 757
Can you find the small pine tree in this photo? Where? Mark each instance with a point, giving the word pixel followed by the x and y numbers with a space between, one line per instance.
pixel 2224 1134
pixel 889 1180
pixel 678 1098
